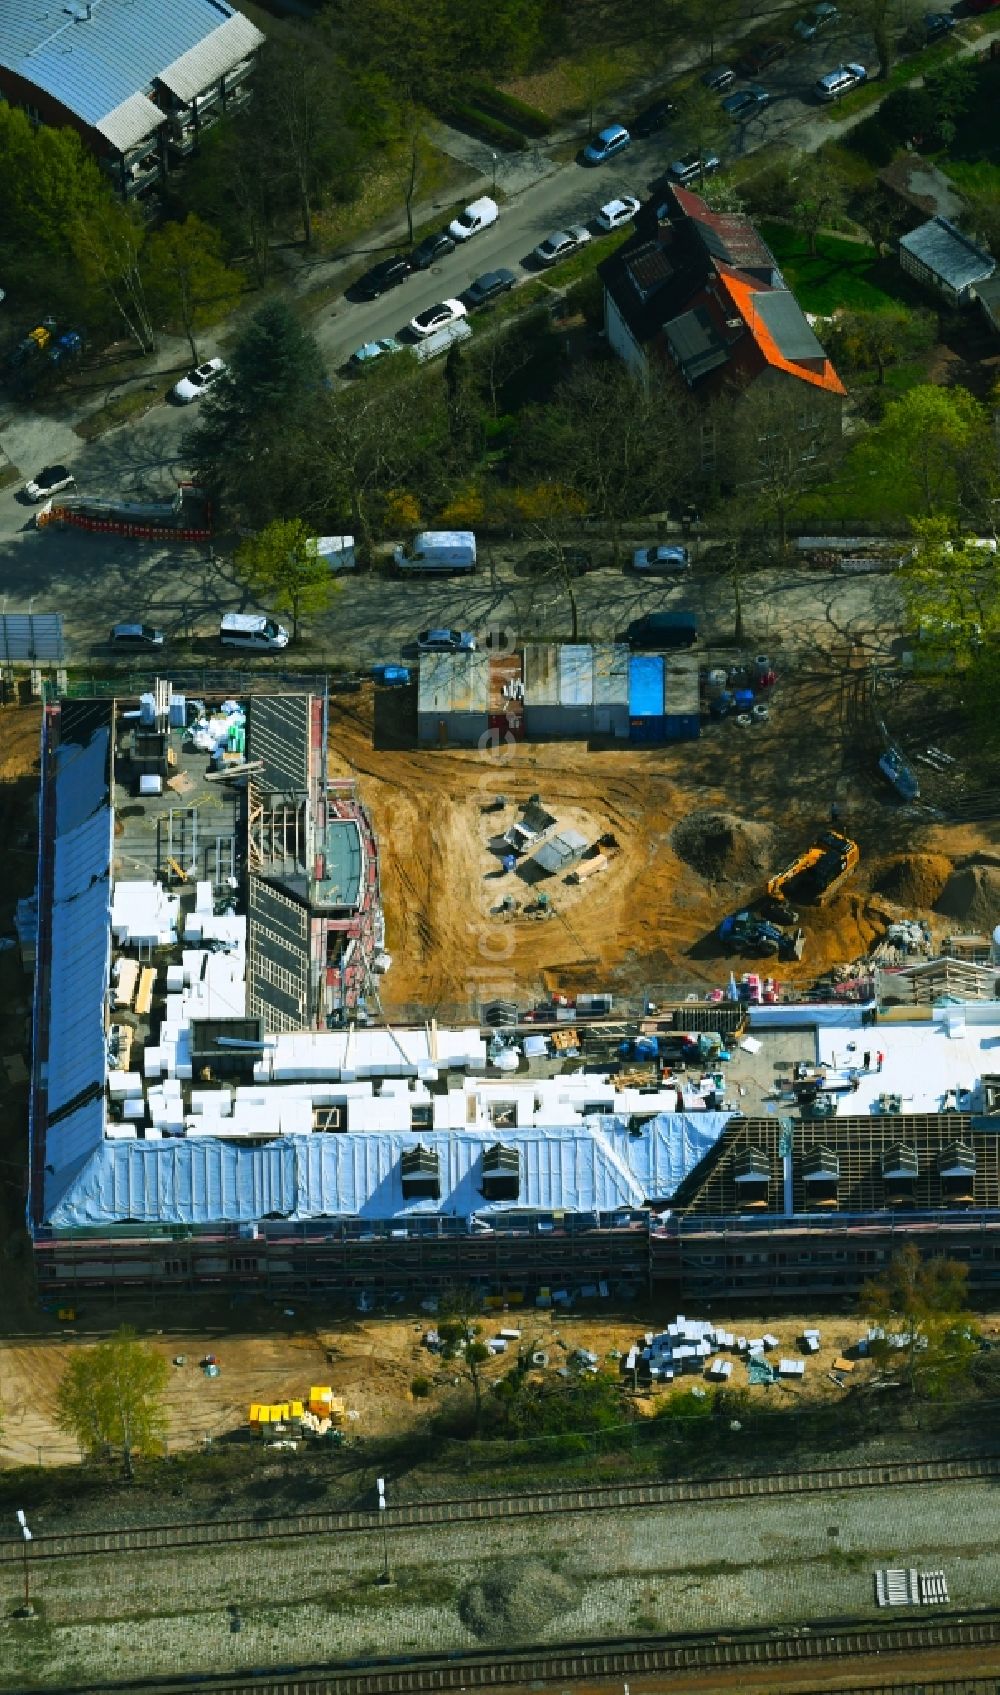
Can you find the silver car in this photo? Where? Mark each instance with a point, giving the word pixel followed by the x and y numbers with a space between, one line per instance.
pixel 661 559
pixel 560 244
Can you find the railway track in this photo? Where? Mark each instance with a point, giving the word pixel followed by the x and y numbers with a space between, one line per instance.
pixel 472 1509
pixel 604 1661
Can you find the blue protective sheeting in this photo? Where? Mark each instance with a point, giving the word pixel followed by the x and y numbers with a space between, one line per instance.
pixel 598 1166
pixel 80 946
pixel 645 685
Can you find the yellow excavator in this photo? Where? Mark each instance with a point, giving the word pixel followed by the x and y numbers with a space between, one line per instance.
pixel 818 873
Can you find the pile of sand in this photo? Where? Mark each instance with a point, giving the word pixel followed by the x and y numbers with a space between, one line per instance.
pixel 723 848
pixel 515 1600
pixel 972 895
pixel 913 879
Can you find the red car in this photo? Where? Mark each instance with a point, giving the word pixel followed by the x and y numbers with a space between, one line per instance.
pixel 762 54
pixel 982 5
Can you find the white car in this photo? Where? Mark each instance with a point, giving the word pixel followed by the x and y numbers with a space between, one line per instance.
pixel 618 212
pixel 479 216
pixel 52 480
pixel 672 558
pixel 560 244
pixel 438 317
pixel 199 380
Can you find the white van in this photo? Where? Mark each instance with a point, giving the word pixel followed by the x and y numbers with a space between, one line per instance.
pixel 434 345
pixel 478 216
pixel 337 551
pixel 252 630
pixel 437 550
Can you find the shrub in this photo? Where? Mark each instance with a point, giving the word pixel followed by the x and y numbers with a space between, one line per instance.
pixel 512 111
pixel 420 1388
pixel 490 129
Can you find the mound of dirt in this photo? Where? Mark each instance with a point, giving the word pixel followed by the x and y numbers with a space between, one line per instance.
pixel 972 895
pixel 723 848
pixel 913 879
pixel 515 1600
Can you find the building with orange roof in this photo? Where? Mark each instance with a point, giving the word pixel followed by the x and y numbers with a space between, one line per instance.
pixel 698 295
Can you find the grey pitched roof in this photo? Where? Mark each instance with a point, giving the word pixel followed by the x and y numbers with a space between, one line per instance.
pixel 92 55
pixel 696 343
pixel 948 253
pixel 788 326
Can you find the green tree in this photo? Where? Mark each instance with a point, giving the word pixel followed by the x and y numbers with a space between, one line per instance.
pixel 928 1338
pixel 257 445
pixel 188 283
pixel 461 1337
pixel 951 91
pixel 874 340
pixel 934 447
pixel 296 106
pixel 952 593
pixel 593 76
pixel 110 1398
pixel 282 568
pixel 776 441
pixel 700 122
pixel 820 198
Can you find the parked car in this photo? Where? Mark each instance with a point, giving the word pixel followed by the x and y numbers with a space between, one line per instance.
pixel 446 641
pixel 560 244
pixel 745 104
pixel 718 78
pixel 479 216
pixel 136 635
pixel 840 82
pixel 686 170
pixel 490 286
pixel 51 480
pixel 661 559
pixel 761 54
pixel 388 273
pixel 618 212
pixel 438 317
pixel 978 6
pixel 432 247
pixel 937 24
pixel 604 146
pixel 364 357
pixel 652 119
pixel 199 380
pixel 820 18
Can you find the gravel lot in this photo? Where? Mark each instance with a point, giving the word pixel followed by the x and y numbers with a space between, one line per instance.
pixel 684 1568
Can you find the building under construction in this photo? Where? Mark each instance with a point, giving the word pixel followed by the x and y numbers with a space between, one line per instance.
pixel 216 1101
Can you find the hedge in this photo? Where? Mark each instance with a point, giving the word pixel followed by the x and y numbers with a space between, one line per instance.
pixel 512 111
pixel 487 128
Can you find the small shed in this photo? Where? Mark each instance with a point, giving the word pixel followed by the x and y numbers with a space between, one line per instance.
pixel 453 699
pixel 645 697
pixel 682 700
pixel 558 690
pixel 611 689
pixel 938 255
pixel 560 852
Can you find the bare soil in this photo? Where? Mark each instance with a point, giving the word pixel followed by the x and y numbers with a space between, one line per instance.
pixel 690 851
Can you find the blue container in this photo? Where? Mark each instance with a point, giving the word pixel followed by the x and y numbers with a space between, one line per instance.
pixel 743 699
pixel 645 685
pixel 682 726
pixel 722 705
pixel 648 729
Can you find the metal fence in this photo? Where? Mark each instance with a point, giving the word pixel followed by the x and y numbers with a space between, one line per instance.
pixel 196 681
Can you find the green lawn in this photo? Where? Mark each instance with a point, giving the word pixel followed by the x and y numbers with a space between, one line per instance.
pixel 840 273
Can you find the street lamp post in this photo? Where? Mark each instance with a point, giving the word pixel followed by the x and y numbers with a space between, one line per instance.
pixel 495 159
pixel 386 1576
pixel 25 1539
